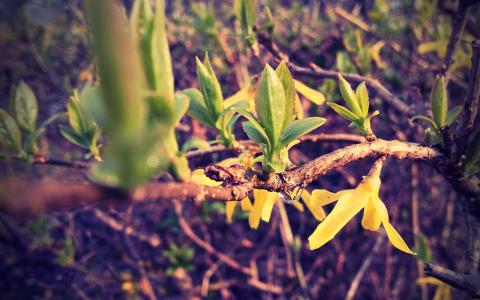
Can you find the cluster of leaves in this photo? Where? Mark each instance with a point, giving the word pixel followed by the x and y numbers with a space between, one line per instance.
pixel 363 53
pixel 274 127
pixel 83 131
pixel 19 134
pixel 179 257
pixel 441 115
pixel 208 106
pixel 358 104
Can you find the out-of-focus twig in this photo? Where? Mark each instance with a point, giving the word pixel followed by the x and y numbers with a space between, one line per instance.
pixel 365 265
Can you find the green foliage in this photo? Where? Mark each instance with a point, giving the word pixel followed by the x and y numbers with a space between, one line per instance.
pixel 274 128
pixel 39 228
pixel 66 254
pixel 179 257
pixel 19 134
pixel 472 155
pixel 208 106
pixel 138 101
pixel 246 12
pixel 423 249
pixel 441 115
pixel 358 106
pixel 83 130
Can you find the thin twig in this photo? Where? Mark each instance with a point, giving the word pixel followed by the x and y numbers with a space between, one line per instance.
pixel 459 23
pixel 317 72
pixel 466 282
pixel 238 181
pixel 365 265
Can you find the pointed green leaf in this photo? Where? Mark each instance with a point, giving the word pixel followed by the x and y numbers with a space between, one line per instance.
pixel 453 114
pixel 74 137
pixel 182 102
pixel 362 96
pixel 285 77
pixel 210 87
pixel 25 107
pixel 10 135
pixel 299 128
pixel 198 109
pixel 439 100
pixel 253 134
pixel 77 118
pixel 349 95
pixel 254 123
pixel 93 104
pixel 246 13
pixel 342 111
pixel 140 18
pixel 271 104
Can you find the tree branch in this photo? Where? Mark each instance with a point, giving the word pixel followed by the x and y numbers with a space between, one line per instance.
pixel 238 182
pixel 465 282
pixel 459 22
pixel 318 72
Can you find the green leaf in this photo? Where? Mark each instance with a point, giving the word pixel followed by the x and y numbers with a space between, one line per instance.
pixel 342 111
pixel 254 123
pixel 25 107
pixel 271 104
pixel 453 114
pixel 439 100
pixel 74 137
pixel 140 18
pixel 286 79
pixel 157 64
pixel 195 143
pixel 182 102
pixel 210 87
pixel 10 135
pixel 93 104
pixel 77 118
pixel 198 109
pixel 427 119
pixel 362 96
pixel 299 128
pixel 122 83
pixel 253 133
pixel 349 95
pixel 247 14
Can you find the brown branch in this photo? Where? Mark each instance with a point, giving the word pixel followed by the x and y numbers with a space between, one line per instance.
pixel 303 175
pixel 238 182
pixel 365 265
pixel 317 72
pixel 459 23
pixel 465 282
pixel 473 94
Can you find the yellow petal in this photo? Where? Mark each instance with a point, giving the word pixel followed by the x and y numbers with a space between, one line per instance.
pixel 270 199
pixel 247 93
pixel 316 210
pixel 347 207
pixel 447 292
pixel 324 197
pixel 375 52
pixel 245 204
pixel 371 218
pixel 438 293
pixel 394 237
pixel 230 208
pixel 311 94
pixel 199 177
pixel 258 202
pixel 428 280
pixel 298 205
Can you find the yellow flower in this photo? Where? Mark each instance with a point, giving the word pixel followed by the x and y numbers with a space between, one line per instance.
pixel 350 202
pixel 443 291
pixel 262 207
